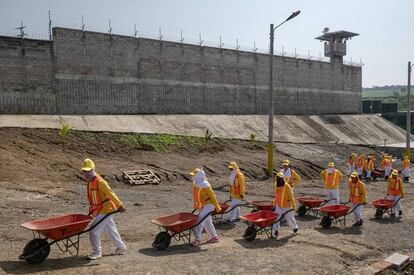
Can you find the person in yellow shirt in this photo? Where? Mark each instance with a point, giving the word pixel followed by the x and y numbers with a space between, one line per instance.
pixel 369 167
pixel 352 163
pixel 360 165
pixel 357 197
pixel 205 201
pixel 284 203
pixel 102 201
pixel 395 192
pixel 387 166
pixel 237 191
pixel 292 178
pixel 406 169
pixel 331 178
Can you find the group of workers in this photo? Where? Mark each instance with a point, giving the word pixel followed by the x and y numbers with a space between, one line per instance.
pixel 366 166
pixel 103 200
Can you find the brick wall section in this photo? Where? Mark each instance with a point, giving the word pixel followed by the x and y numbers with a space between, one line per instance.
pixel 98 73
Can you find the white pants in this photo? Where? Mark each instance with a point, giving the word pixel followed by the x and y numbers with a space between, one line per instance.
pixel 406 172
pixel 290 218
pixel 398 206
pixel 359 170
pixel 351 168
pixel 332 196
pixel 387 170
pixel 109 226
pixel 357 211
pixel 206 224
pixel 368 173
pixel 235 213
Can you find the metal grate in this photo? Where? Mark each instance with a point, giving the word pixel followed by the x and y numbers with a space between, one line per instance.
pixel 140 177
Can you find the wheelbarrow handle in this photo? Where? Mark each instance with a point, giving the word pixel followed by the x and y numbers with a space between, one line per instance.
pixel 281 216
pixel 97 223
pixel 353 209
pixel 326 201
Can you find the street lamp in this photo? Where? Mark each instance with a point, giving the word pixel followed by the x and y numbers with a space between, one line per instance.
pixel 271 95
pixel 408 129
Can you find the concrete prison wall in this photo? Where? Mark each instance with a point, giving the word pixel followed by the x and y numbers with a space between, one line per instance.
pixel 84 72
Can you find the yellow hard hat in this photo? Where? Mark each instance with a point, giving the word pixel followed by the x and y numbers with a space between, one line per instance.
pixel 233 165
pixel 280 175
pixel 353 154
pixel 88 165
pixel 331 164
pixel 286 162
pixel 354 175
pixel 194 171
pixel 394 173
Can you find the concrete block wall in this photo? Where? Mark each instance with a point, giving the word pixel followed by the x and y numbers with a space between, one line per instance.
pixel 26 77
pixel 98 73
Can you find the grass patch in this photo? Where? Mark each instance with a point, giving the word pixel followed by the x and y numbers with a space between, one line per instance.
pixel 159 142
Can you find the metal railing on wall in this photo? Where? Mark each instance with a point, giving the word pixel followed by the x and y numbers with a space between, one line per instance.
pixel 23 32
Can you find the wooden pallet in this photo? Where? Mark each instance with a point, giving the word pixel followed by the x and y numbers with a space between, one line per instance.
pixel 140 177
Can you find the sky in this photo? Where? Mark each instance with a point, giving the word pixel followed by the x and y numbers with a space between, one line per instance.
pixel 386 27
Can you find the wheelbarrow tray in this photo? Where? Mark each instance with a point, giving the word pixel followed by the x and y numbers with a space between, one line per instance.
pixel 224 207
pixel 176 222
pixel 311 202
pixel 262 205
pixel 59 227
pixel 335 211
pixel 383 203
pixel 261 218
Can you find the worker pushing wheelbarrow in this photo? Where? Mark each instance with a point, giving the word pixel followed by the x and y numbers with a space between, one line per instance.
pixel 265 221
pixel 63 230
pixel 357 200
pixel 392 202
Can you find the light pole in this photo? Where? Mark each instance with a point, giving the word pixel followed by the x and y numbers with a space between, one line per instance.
pixel 408 129
pixel 271 95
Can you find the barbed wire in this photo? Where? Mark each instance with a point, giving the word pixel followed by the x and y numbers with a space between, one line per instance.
pixel 133 32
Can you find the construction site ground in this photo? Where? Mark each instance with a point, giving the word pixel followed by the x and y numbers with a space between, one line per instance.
pixel 40 178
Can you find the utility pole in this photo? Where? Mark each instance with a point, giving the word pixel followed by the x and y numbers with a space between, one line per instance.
pixel 408 129
pixel 50 27
pixel 271 94
pixel 272 105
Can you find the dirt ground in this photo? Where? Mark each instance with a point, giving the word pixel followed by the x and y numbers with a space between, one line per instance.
pixel 40 178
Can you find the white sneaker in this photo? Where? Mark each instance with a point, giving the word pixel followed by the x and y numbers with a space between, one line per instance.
pixel 94 256
pixel 119 251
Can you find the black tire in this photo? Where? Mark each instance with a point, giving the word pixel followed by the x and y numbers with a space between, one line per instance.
pixel 378 214
pixel 162 241
pixel 326 222
pixel 37 250
pixel 302 211
pixel 250 233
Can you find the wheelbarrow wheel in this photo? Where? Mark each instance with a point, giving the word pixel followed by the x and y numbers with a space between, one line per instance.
pixel 302 211
pixel 250 233
pixel 254 210
pixel 36 251
pixel 162 241
pixel 378 214
pixel 326 222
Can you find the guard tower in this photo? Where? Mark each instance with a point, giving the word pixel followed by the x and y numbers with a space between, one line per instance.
pixel 335 44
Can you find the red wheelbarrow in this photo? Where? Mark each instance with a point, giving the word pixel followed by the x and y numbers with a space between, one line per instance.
pixel 261 205
pixel 177 226
pixel 309 204
pixel 260 222
pixel 64 231
pixel 336 214
pixel 383 206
